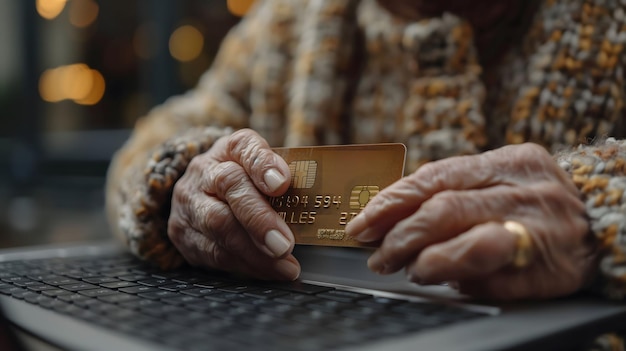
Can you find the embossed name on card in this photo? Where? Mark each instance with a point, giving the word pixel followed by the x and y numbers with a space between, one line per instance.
pixel 331 184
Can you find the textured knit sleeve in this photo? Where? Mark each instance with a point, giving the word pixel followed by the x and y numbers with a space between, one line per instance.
pixel 566 85
pixel 599 172
pixel 143 173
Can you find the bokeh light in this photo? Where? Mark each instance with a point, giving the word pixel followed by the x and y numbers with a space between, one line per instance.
pixel 97 90
pixel 239 7
pixel 50 9
pixel 186 43
pixel 83 12
pixel 75 82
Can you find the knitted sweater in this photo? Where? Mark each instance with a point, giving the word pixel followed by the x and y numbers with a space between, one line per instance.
pixel 309 72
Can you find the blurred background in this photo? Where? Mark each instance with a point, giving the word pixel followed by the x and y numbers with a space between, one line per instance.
pixel 74 77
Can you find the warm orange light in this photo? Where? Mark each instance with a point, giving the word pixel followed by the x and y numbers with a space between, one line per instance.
pixel 83 12
pixel 239 7
pixel 75 82
pixel 186 43
pixel 97 90
pixel 49 9
pixel 48 88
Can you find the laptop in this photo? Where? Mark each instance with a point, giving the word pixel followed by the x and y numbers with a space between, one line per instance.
pixel 97 297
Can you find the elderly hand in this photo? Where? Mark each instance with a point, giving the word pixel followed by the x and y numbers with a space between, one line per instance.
pixel 220 217
pixel 445 223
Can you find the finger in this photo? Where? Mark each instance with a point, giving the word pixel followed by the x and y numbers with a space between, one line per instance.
pixel 402 198
pixel 451 213
pixel 194 213
pixel 538 281
pixel 444 216
pixel 212 237
pixel 484 249
pixel 229 182
pixel 514 164
pixel 209 254
pixel 269 172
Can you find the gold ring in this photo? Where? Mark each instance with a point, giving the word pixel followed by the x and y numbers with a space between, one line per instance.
pixel 523 244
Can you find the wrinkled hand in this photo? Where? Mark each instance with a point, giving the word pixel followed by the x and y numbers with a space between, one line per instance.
pixel 220 217
pixel 444 223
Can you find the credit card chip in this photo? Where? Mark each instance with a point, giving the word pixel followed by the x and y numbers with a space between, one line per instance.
pixel 361 195
pixel 303 174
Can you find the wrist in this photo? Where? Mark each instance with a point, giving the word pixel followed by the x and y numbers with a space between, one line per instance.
pixel 143 215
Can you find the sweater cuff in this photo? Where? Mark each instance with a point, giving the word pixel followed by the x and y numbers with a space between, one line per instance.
pixel 599 172
pixel 145 207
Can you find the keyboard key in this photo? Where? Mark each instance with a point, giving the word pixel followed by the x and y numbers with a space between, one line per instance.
pixel 56 292
pixel 88 303
pixel 118 297
pixel 265 293
pixel 182 300
pixel 166 275
pixel 296 299
pixel 140 303
pixel 139 289
pixel 314 317
pixel 282 309
pixel 328 305
pixel 301 287
pixel 189 278
pixel 41 287
pixel 210 284
pixel 132 277
pixel 42 277
pixel 198 292
pixel 154 282
pixel 100 280
pixel 222 296
pixel 380 302
pixel 118 284
pixel 78 286
pixel 342 296
pixel 97 292
pixel 361 312
pixel 156 295
pixel 72 297
pixel 236 288
pixel 210 307
pixel 11 290
pixel 61 281
pixel 162 310
pixel 16 279
pixel 176 287
pixel 114 273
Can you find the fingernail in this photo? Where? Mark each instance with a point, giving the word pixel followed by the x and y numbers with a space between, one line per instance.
pixel 288 269
pixel 273 179
pixel 277 243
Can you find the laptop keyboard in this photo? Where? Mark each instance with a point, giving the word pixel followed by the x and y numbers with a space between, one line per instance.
pixel 189 309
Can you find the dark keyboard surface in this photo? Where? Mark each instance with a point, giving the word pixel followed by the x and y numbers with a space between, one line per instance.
pixel 199 310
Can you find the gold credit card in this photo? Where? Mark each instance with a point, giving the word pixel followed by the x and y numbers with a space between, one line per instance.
pixel 331 184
